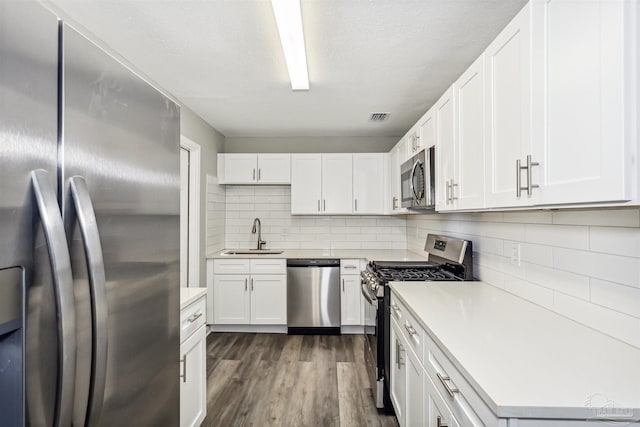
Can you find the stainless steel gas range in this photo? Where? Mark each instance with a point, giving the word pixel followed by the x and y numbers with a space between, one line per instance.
pixel 448 259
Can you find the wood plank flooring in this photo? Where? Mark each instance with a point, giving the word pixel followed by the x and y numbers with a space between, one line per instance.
pixel 289 380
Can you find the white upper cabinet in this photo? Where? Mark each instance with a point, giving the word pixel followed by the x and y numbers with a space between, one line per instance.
pixel 413 141
pixel 467 187
pixel 427 130
pixel 234 168
pixel 584 96
pixel 445 150
pixel 368 183
pixel 337 184
pixel 274 168
pixel 306 184
pixel 237 168
pixel 508 111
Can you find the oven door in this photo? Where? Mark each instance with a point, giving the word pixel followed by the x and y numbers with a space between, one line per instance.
pixel 373 317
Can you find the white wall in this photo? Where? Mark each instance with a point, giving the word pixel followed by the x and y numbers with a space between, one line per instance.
pixel 281 230
pixel 584 265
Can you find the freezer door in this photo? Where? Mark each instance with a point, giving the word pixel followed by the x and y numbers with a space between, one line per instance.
pixel 28 141
pixel 122 137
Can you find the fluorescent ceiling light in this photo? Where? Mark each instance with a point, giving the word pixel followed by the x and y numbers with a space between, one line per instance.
pixel 289 21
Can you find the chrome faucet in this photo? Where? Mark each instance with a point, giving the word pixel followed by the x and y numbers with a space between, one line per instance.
pixel 261 242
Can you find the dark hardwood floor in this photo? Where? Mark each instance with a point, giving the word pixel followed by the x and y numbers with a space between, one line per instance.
pixel 289 380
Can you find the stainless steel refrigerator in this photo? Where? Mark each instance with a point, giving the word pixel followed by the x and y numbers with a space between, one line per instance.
pixel 89 226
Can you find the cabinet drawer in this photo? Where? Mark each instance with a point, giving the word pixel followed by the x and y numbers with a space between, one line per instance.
pixel 268 266
pixel 349 266
pixel 411 329
pixel 463 401
pixel 231 266
pixel 192 317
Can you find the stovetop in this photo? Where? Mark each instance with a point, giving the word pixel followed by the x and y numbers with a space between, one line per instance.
pixel 413 274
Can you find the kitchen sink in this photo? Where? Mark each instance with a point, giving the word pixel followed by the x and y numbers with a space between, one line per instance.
pixel 251 252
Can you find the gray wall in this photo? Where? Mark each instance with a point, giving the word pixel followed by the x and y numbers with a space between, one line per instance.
pixel 211 143
pixel 311 144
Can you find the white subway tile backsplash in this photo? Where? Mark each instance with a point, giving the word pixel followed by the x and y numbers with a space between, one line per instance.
pixel 284 231
pixel 603 217
pixel 613 240
pixel 582 264
pixel 576 237
pixel 624 299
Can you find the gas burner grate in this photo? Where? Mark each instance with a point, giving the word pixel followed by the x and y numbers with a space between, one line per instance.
pixel 414 274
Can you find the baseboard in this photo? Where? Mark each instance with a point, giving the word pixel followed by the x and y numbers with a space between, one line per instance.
pixel 256 329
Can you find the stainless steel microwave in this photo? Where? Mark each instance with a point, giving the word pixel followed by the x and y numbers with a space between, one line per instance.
pixel 417 177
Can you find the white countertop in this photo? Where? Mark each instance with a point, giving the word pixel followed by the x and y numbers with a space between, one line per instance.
pixel 368 254
pixel 189 295
pixel 524 360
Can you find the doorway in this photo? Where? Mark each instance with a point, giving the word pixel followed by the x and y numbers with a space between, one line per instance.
pixel 189 213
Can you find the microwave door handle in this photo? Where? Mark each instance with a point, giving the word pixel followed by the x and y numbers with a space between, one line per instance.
pixel 413 173
pixel 97 285
pixel 58 249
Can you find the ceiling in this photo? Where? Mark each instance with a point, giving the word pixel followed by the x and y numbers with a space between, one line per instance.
pixel 222 58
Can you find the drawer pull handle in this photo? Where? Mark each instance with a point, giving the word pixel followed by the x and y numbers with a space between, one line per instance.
pixel 396 310
pixel 440 423
pixel 351 267
pixel 194 317
pixel 412 331
pixel 184 368
pixel 445 382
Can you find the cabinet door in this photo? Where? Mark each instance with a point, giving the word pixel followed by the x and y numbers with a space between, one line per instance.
pixel 350 304
pixel 445 150
pixel 240 168
pixel 508 109
pixel 268 299
pixel 274 168
pixel 231 299
pixel 437 413
pixel 337 183
pixel 394 179
pixel 415 396
pixel 306 184
pixel 427 136
pixel 468 185
pixel 193 378
pixel 398 389
pixel 579 113
pixel 368 183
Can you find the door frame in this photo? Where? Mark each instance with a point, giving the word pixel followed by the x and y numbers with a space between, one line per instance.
pixel 193 263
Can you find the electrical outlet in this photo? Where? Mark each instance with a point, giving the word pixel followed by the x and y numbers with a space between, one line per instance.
pixel 515 254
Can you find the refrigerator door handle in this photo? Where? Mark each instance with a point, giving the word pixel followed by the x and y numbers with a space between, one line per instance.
pixel 58 249
pixel 97 283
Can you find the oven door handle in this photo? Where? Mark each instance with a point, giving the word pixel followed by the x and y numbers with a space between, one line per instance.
pixel 367 296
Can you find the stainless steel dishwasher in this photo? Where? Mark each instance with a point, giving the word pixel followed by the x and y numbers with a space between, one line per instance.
pixel 313 296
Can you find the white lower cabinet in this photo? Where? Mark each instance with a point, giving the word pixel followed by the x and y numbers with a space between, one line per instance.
pixel 415 397
pixel 193 364
pixel 254 294
pixel 268 299
pixel 351 306
pixel 398 374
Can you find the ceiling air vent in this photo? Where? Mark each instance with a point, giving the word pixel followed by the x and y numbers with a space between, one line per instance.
pixel 378 117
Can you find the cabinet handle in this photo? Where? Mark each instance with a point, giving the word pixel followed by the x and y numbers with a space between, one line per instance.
pixel 324 205
pixel 342 285
pixel 445 382
pixel 530 186
pixel 184 368
pixel 245 284
pixel 518 179
pixel 394 203
pixel 356 200
pixel 412 331
pixel 254 174
pixel 350 267
pixel 453 191
pixel 259 174
pixel 194 317
pixel 440 423
pixel 447 193
pixel 530 165
pixel 401 361
pixel 252 284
